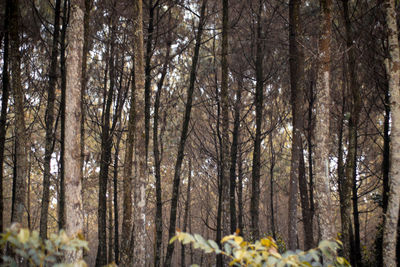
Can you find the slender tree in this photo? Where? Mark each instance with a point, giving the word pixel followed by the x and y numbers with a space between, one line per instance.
pixel 49 147
pixel 184 135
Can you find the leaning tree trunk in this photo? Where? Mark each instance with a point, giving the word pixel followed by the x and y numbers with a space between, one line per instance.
pixel 73 186
pixel 21 156
pixel 49 119
pixel 183 137
pixel 322 142
pixel 393 69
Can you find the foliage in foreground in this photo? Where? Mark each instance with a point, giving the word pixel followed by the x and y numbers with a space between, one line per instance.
pixel 30 248
pixel 264 252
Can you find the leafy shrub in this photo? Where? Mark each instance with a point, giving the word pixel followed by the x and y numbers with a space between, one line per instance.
pixel 264 252
pixel 30 248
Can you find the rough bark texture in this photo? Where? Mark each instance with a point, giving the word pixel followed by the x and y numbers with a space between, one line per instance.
pixel 183 137
pixel 297 91
pixel 140 183
pixel 393 69
pixel 225 120
pixel 49 118
pixel 322 142
pixel 4 105
pixel 127 219
pixel 73 186
pixel 258 102
pixel 21 157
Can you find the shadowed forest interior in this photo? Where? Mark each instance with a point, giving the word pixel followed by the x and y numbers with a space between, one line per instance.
pixel 125 120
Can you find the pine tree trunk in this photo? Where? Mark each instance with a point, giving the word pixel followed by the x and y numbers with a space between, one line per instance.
pixel 296 61
pixel 183 137
pixel 21 157
pixel 322 142
pixel 258 103
pixel 157 161
pixel 49 119
pixel 187 206
pixel 393 69
pixel 4 105
pixel 140 254
pixel 73 197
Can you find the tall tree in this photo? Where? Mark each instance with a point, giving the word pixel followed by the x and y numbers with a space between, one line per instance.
pixel 323 104
pixel 258 103
pixel 184 135
pixel 73 185
pixel 4 104
pixel 296 63
pixel 393 70
pixel 106 146
pixel 49 118
pixel 21 156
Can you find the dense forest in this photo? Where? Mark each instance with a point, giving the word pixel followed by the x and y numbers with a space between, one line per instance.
pixel 124 121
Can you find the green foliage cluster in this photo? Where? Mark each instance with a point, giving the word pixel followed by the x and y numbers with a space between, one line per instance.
pixel 28 247
pixel 264 252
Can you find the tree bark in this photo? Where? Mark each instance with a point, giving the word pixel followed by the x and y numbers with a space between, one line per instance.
pixel 4 105
pixel 73 197
pixel 21 156
pixel 61 198
pixel 105 158
pixel 322 142
pixel 296 61
pixel 140 183
pixel 393 69
pixel 187 207
pixel 234 152
pixel 116 211
pixel 157 161
pixel 49 119
pixel 225 120
pixel 127 220
pixel 184 135
pixel 258 102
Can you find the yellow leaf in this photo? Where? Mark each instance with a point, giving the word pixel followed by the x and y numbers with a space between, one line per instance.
pixel 238 239
pixel 23 235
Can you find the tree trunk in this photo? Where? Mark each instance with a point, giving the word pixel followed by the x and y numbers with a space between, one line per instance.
pixel 322 142
pixel 157 161
pixel 140 183
pixel 61 198
pixel 350 184
pixel 4 105
pixel 225 120
pixel 187 206
pixel 73 186
pixel 49 119
pixel 105 158
pixel 184 135
pixel 116 211
pixel 127 222
pixel 147 70
pixel 234 152
pixel 393 69
pixel 258 102
pixel 21 155
pixel 296 61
